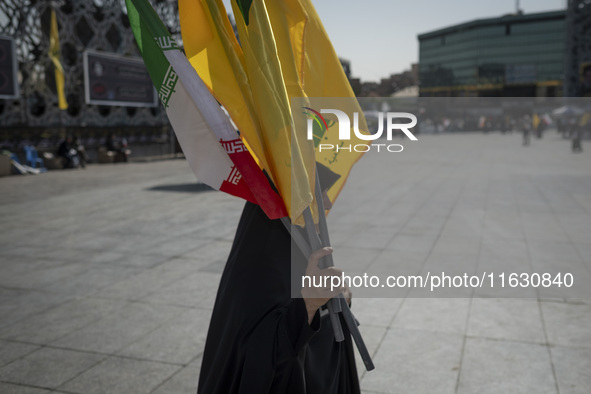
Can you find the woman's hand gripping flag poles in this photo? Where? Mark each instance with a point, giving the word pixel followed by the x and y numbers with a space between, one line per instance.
pixel 337 304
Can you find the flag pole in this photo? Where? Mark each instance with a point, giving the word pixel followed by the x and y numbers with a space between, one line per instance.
pixel 302 244
pixel 334 306
pixel 297 237
pixel 352 323
pixel 338 303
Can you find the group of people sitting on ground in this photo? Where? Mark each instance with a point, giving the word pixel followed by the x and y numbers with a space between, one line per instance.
pixel 119 147
pixel 74 155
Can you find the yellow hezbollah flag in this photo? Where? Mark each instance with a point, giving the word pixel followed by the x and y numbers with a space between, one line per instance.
pixel 288 22
pixel 214 52
pixel 54 54
pixel 320 74
pixel 264 69
pixel 255 99
pixel 284 54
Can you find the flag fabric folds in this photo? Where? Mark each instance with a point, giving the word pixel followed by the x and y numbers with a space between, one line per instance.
pixel 211 145
pixel 212 49
pixel 320 75
pixel 248 81
pixel 54 54
pixel 284 53
pixel 273 79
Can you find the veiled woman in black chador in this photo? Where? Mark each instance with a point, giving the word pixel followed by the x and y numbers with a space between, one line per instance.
pixel 260 339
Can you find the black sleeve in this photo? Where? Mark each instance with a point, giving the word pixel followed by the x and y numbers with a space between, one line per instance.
pixel 294 332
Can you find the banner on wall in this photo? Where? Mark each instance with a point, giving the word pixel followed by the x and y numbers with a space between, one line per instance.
pixel 111 79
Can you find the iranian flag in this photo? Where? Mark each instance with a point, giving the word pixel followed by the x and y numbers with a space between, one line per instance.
pixel 211 145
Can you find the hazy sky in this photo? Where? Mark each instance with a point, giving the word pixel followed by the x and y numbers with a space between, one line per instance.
pixel 379 37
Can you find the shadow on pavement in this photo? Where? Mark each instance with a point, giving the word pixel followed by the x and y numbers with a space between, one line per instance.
pixel 187 187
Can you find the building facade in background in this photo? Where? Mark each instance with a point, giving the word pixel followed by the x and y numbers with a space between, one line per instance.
pixel 98 30
pixel 515 55
pixel 577 73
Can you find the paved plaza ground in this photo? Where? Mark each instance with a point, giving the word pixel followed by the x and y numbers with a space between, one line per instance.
pixel 108 275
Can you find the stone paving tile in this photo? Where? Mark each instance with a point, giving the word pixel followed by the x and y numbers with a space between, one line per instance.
pixel 450 264
pixel 25 303
pixel 372 237
pixel 177 341
pixel 16 249
pixel 183 382
pixel 48 367
pixel 21 265
pixel 398 262
pixel 543 227
pixel 92 280
pixel 564 202
pixel 376 311
pixel 191 290
pixel 44 276
pixel 577 226
pixel 493 366
pixel 464 222
pixel 174 246
pixel 48 326
pixel 444 315
pixel 552 251
pixel 148 281
pixel 372 337
pixel 509 319
pixel 424 224
pixel 223 228
pixel 341 234
pixel 213 252
pixel 119 329
pixel 140 260
pixel 415 361
pixel 584 250
pixel 412 242
pixel 48 247
pixel 121 376
pixel 501 224
pixel 354 258
pixel 572 366
pixel 95 242
pixel 10 351
pixel 58 253
pixel 7 388
pixel 92 258
pixel 567 324
pixel 455 244
pixel 511 250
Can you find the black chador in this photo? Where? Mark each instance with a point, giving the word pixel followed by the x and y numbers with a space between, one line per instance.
pixel 259 339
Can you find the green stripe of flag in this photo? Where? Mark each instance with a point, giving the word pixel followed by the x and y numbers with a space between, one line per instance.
pixel 153 39
pixel 244 6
